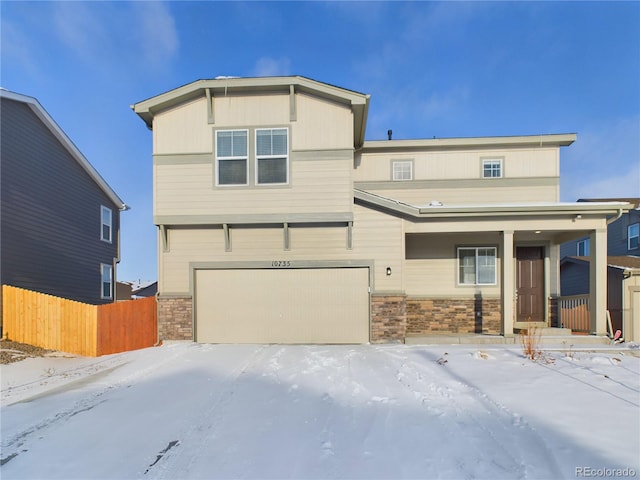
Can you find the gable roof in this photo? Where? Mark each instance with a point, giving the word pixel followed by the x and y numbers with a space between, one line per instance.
pixel 66 142
pixel 358 102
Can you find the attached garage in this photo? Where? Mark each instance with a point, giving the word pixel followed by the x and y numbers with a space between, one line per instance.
pixel 282 305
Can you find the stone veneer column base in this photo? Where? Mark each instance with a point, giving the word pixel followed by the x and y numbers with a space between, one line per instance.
pixel 454 315
pixel 175 318
pixel 388 318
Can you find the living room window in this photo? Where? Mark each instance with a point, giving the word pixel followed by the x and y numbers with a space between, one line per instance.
pixel 107 281
pixel 272 156
pixel 106 219
pixel 492 168
pixel 477 265
pixel 232 157
pixel 633 235
pixel 582 249
pixel 402 170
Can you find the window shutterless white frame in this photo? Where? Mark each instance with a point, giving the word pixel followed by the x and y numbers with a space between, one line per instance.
pixel 477 266
pixel 272 147
pixel 235 154
pixel 633 236
pixel 106 224
pixel 401 170
pixel 106 282
pixel 491 168
pixel 582 248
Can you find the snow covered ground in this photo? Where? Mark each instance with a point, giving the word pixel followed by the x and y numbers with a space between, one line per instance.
pixel 185 410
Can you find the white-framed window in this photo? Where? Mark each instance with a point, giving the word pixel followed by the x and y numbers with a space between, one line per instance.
pixel 477 265
pixel 402 170
pixel 582 249
pixel 633 235
pixel 272 156
pixel 106 284
pixel 492 168
pixel 232 157
pixel 106 220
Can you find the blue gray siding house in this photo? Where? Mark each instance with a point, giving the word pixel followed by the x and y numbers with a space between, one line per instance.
pixel 59 219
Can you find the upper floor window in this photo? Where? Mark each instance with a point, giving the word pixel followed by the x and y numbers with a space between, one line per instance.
pixel 402 170
pixel 232 157
pixel 107 281
pixel 477 265
pixel 107 224
pixel 583 248
pixel 272 156
pixel 633 234
pixel 492 168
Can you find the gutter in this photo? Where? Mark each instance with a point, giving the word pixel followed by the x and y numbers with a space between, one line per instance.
pixel 617 217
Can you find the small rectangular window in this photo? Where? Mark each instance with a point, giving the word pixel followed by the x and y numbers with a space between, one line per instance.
pixel 492 168
pixel 232 157
pixel 106 221
pixel 477 265
pixel 402 170
pixel 583 248
pixel 107 281
pixel 272 156
pixel 633 235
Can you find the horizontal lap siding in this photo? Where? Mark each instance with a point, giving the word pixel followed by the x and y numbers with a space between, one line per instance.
pixel 50 210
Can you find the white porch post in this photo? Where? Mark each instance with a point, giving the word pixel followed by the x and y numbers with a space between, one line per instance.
pixel 598 282
pixel 508 284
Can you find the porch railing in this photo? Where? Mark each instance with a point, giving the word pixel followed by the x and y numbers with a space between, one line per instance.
pixel 574 312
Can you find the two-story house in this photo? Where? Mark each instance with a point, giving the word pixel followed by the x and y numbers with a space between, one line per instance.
pixel 623 271
pixel 278 223
pixel 59 219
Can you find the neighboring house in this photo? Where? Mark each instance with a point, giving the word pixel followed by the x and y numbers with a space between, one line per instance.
pixel 147 290
pixel 623 277
pixel 59 220
pixel 277 221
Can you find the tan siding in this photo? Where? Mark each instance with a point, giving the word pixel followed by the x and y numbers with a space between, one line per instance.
pixel 254 110
pixel 183 129
pixel 321 124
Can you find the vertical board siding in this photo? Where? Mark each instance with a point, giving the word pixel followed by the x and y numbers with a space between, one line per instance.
pixel 68 326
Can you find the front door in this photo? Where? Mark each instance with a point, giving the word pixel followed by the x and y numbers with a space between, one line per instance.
pixel 530 284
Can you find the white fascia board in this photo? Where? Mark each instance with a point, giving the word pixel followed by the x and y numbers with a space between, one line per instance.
pixel 553 140
pixel 62 137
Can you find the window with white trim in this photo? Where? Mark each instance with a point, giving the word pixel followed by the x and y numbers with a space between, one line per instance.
pixel 106 220
pixel 272 156
pixel 477 265
pixel 232 157
pixel 107 281
pixel 492 168
pixel 633 235
pixel 402 170
pixel 583 249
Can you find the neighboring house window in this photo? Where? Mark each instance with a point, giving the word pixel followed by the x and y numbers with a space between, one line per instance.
pixel 492 168
pixel 107 225
pixel 231 157
pixel 402 170
pixel 107 281
pixel 272 156
pixel 633 234
pixel 583 248
pixel 477 265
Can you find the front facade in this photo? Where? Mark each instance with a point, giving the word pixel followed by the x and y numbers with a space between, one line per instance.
pixel 60 221
pixel 278 223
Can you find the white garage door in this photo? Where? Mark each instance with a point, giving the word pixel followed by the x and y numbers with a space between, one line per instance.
pixel 297 305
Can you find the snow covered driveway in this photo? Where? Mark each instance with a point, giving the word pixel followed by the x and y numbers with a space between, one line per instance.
pixel 249 411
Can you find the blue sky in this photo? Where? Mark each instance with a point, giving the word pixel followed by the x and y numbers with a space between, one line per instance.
pixel 444 69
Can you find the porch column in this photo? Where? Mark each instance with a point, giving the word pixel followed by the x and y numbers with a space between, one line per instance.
pixel 598 282
pixel 508 283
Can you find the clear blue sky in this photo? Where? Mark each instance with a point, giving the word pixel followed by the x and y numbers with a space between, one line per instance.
pixel 449 69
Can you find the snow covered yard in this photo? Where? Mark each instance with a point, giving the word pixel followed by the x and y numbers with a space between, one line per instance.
pixel 185 410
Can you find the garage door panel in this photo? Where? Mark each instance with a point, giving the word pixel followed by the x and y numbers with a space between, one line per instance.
pixel 319 305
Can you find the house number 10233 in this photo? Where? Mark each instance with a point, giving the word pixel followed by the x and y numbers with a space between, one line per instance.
pixel 281 263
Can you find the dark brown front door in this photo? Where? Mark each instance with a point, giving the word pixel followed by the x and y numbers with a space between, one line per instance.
pixel 530 284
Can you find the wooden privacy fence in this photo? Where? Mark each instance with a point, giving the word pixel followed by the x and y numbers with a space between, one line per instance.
pixel 74 327
pixel 574 312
